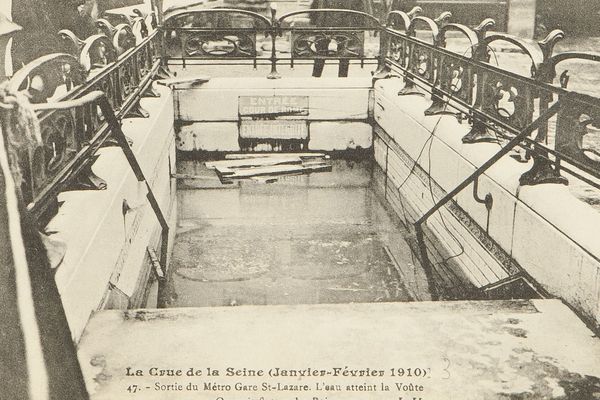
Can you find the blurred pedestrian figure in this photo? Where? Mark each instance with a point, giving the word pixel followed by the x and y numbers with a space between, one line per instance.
pixel 403 5
pixel 333 19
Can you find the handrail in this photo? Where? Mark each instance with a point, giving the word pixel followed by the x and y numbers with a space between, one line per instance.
pixel 553 110
pixel 325 11
pixel 252 14
pixel 99 99
pixel 499 102
pixel 418 224
pixel 78 165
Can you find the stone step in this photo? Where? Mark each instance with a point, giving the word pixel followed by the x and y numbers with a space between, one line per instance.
pixel 435 350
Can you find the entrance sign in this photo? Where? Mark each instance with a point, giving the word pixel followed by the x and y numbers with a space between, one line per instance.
pixel 273 129
pixel 273 106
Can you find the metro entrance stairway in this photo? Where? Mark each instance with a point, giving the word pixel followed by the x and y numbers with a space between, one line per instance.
pixel 315 236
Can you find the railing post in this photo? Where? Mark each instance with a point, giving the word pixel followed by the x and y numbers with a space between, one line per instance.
pixel 415 67
pixel 439 106
pixel 163 71
pixel 479 131
pixel 543 170
pixel 275 31
pixel 383 70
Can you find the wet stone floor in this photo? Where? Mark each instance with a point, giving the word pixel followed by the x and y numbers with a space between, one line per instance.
pixel 318 238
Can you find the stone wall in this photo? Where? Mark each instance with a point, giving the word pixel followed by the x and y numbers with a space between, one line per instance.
pixel 107 232
pixel 550 233
pixel 337 113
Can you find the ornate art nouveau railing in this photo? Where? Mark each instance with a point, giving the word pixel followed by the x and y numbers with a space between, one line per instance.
pixel 121 62
pixel 231 34
pixel 498 103
pixel 124 56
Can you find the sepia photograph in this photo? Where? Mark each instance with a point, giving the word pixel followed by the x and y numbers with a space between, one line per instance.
pixel 299 199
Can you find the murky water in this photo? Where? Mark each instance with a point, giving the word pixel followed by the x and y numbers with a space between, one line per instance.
pixel 319 238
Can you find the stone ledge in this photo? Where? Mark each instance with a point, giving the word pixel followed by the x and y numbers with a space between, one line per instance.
pixel 577 225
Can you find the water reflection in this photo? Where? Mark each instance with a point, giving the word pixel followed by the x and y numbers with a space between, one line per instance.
pixel 320 238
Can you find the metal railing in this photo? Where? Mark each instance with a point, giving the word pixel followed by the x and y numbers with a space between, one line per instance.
pixel 120 62
pixel 315 34
pixel 122 59
pixel 499 103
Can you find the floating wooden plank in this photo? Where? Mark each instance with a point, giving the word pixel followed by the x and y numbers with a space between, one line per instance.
pixel 240 156
pixel 194 177
pixel 278 170
pixel 185 82
pixel 224 171
pixel 252 162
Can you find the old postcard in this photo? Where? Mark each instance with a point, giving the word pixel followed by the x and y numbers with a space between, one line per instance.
pixel 299 199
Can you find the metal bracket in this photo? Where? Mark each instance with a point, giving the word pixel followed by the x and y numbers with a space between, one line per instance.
pixel 383 72
pixel 163 72
pixel 410 88
pixel 88 180
pixel 488 200
pixel 542 172
pixel 439 106
pixel 150 92
pixel 137 111
pixel 480 133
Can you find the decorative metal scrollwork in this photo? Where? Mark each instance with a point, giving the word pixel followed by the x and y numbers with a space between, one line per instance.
pixel 317 44
pixel 48 76
pixel 578 131
pixel 62 76
pixel 534 53
pixel 507 100
pixel 127 79
pixel 398 51
pixel 121 36
pixel 207 44
pixel 70 43
pixel 400 20
pixel 58 136
pixel 97 52
pixel 422 63
pixel 456 78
